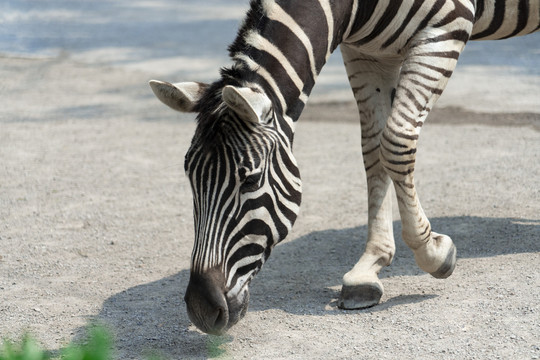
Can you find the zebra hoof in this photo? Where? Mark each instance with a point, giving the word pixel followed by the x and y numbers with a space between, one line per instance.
pixel 447 268
pixel 360 296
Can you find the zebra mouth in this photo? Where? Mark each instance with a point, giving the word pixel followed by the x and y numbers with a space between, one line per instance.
pixel 238 306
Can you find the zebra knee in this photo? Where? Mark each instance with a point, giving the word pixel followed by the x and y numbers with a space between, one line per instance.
pixel 397 153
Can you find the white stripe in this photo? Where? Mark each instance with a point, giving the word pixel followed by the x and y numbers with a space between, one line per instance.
pixel 481 24
pixel 260 42
pixel 240 282
pixel 351 20
pixel 249 239
pixel 265 75
pixel 330 22
pixel 369 24
pixel 534 18
pixel 276 13
pixel 258 213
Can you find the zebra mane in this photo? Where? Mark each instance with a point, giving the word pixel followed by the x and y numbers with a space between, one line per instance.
pixel 210 109
pixel 253 20
pixel 211 106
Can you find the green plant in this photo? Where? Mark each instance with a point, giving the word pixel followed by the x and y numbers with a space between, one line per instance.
pixel 98 346
pixel 26 350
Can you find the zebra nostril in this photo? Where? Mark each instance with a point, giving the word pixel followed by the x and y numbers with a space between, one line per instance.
pixel 205 314
pixel 222 318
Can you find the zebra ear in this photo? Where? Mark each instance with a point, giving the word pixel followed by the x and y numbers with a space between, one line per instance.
pixel 180 96
pixel 251 105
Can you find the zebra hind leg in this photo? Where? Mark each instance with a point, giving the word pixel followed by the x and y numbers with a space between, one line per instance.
pixel 373 83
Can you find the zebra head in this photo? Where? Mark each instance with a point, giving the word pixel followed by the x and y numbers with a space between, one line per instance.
pixel 246 193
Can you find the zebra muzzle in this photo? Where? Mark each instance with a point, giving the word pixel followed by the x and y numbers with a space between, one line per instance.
pixel 208 307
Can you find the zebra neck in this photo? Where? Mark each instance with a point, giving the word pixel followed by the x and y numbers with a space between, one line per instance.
pixel 282 46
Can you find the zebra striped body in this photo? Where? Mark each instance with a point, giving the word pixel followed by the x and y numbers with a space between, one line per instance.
pixel 399 55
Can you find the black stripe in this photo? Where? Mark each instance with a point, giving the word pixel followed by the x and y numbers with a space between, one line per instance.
pixel 288 214
pixel 421 74
pixel 401 162
pixel 407 172
pixel 411 97
pixel 445 54
pixel 392 142
pixel 409 119
pixel 479 10
pixel 295 110
pixel 341 16
pixel 427 237
pixel 403 135
pixel 367 152
pixel 285 84
pixel 425 21
pixel 369 167
pixel 364 100
pixel 289 44
pixel 293 195
pixel 523 18
pixel 288 163
pixel 496 21
pixel 412 11
pixel 243 252
pixel 445 72
pixel 229 184
pixel 387 17
pixel 431 89
pixel 399 153
pixel 459 11
pixel 460 35
pixel 241 271
pixel 366 131
pixel 363 14
pixel 426 229
pixel 310 16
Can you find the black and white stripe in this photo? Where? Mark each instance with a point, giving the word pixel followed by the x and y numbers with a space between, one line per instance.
pixel 242 206
pixel 505 19
pixel 399 55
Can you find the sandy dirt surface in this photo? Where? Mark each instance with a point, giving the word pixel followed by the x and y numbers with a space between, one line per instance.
pixel 96 224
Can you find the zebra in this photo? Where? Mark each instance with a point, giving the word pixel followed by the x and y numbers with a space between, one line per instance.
pixel 398 55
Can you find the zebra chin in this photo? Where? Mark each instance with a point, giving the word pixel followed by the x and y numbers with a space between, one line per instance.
pixel 209 308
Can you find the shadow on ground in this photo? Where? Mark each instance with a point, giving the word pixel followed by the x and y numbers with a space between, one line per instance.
pixel 301 277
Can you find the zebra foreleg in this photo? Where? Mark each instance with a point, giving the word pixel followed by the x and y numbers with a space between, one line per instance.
pixel 423 77
pixel 373 82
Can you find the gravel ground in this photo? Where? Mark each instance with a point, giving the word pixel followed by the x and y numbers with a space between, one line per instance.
pixel 96 224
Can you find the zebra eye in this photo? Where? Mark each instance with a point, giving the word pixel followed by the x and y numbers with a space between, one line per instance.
pixel 251 182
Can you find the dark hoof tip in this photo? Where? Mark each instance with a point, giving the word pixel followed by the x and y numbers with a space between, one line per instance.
pixel 447 268
pixel 360 296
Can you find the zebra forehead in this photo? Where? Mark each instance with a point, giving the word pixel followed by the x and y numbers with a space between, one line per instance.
pixel 242 144
pixel 226 129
